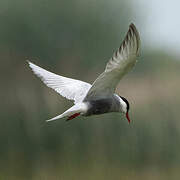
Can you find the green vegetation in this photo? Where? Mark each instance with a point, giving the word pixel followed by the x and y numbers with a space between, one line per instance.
pixel 75 39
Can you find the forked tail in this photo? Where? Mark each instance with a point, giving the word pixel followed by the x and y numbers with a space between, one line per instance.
pixel 72 112
pixel 55 118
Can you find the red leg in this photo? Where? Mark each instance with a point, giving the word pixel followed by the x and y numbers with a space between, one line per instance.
pixel 73 116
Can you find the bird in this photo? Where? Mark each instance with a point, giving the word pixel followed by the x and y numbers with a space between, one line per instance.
pixel 99 97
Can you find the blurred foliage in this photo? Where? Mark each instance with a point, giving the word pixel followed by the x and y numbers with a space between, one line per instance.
pixel 75 39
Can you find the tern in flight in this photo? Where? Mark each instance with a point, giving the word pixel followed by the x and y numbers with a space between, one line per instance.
pixel 99 97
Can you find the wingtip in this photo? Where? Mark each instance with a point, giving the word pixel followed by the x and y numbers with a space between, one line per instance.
pixel 132 25
pixel 29 63
pixel 135 31
pixel 132 32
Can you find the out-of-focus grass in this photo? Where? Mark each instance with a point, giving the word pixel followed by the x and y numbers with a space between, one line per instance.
pixel 97 147
pixel 89 170
pixel 75 39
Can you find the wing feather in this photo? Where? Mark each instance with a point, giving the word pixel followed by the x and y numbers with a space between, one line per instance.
pixel 69 88
pixel 121 62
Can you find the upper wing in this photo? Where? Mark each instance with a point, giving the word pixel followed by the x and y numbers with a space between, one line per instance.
pixel 70 88
pixel 122 61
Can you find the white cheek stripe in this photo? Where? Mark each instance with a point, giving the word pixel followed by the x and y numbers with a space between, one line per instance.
pixel 123 104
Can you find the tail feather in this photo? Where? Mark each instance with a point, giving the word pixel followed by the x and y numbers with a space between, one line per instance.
pixel 55 118
pixel 72 112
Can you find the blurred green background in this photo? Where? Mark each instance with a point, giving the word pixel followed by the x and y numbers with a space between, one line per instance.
pixel 76 39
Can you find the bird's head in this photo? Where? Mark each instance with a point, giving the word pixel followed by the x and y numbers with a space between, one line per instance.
pixel 125 107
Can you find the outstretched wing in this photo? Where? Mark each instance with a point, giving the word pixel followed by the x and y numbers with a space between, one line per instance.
pixel 69 88
pixel 122 61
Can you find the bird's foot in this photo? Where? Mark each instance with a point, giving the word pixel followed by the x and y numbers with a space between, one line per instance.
pixel 73 116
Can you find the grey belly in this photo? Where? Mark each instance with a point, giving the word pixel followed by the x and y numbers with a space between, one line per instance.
pixel 99 107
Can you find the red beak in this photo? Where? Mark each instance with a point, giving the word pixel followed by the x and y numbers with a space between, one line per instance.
pixel 127 116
